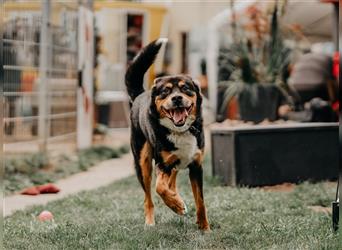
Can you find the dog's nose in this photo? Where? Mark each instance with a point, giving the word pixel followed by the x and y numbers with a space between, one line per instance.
pixel 177 99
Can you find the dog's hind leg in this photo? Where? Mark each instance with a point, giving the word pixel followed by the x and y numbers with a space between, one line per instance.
pixel 145 163
pixel 142 153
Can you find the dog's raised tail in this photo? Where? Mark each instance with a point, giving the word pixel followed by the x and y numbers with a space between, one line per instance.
pixel 134 78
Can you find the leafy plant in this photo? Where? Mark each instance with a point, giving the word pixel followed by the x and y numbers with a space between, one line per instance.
pixel 257 55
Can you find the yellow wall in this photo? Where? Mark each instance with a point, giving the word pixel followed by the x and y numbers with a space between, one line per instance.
pixel 156 14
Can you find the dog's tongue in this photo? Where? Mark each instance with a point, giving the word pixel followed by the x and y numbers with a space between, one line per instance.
pixel 179 116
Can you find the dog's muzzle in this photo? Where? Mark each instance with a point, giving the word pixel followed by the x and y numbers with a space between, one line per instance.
pixel 178 112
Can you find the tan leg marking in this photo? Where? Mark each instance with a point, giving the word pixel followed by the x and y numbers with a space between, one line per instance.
pixel 196 179
pixel 201 213
pixel 172 180
pixel 146 169
pixel 168 158
pixel 198 158
pixel 169 196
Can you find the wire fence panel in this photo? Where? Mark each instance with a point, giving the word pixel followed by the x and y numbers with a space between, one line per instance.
pixel 22 75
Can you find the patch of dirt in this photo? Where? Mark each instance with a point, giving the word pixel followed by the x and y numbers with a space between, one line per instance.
pixel 320 209
pixel 48 168
pixel 289 187
pixel 330 184
pixel 284 187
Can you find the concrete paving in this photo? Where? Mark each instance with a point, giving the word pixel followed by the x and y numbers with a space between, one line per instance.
pixel 103 174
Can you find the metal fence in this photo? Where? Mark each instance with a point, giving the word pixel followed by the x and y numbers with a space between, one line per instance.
pixel 40 76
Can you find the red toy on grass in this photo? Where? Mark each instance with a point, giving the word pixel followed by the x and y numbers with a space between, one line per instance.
pixel 42 189
pixel 45 216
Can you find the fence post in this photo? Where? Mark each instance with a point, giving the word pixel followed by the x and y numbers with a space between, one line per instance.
pixel 43 77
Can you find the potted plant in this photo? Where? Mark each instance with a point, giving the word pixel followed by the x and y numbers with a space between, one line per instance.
pixel 255 67
pixel 257 64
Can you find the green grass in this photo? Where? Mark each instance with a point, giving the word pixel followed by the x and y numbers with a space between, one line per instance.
pixel 36 169
pixel 112 218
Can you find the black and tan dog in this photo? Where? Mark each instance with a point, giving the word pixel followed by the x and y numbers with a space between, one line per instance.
pixel 166 126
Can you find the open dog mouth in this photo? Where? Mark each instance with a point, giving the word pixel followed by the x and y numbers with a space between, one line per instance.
pixel 178 115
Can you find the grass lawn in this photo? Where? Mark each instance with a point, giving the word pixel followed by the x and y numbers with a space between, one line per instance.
pixel 35 169
pixel 241 218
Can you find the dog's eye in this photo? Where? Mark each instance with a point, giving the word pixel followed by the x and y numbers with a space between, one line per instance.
pixel 166 91
pixel 185 88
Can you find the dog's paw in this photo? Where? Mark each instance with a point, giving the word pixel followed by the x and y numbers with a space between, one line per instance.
pixel 204 226
pixel 206 229
pixel 181 209
pixel 150 224
pixel 185 209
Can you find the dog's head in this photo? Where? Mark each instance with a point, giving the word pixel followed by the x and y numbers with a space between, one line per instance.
pixel 177 100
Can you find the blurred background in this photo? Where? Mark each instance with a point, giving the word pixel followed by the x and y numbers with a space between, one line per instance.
pixel 257 62
pixel 286 47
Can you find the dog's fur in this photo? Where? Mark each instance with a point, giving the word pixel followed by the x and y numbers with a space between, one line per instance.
pixel 166 126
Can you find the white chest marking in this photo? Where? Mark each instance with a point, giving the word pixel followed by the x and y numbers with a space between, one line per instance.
pixel 186 145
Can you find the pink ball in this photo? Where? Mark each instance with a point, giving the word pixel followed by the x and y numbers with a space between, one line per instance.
pixel 45 215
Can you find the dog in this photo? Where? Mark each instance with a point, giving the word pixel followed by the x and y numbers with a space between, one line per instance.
pixel 167 127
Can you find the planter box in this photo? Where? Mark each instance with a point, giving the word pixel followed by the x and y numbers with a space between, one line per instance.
pixel 264 105
pixel 272 154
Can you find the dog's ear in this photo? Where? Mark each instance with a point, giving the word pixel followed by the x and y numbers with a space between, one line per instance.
pixel 156 80
pixel 195 82
pixel 197 85
pixel 153 108
pixel 154 88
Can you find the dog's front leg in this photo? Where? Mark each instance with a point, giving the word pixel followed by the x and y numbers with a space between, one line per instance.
pixel 196 179
pixel 165 187
pixel 172 180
